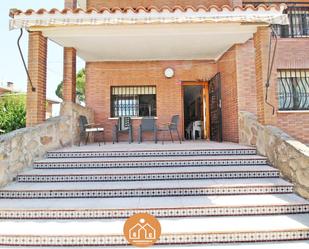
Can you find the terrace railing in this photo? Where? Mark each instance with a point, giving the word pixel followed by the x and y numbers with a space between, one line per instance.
pixel 298 14
pixel 299 23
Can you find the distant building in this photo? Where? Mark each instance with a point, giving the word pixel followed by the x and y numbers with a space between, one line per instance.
pixel 8 88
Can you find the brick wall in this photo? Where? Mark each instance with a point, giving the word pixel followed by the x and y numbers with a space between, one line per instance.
pixel 227 68
pixel 291 53
pixel 295 124
pixel 159 3
pixel 261 45
pixel 246 80
pixel 37 60
pixel 100 76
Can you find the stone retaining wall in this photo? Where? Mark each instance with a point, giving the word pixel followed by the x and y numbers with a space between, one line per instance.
pixel 290 156
pixel 19 148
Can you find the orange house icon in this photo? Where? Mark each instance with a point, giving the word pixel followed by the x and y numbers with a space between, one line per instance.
pixel 142 232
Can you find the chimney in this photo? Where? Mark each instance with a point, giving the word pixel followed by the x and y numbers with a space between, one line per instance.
pixel 10 84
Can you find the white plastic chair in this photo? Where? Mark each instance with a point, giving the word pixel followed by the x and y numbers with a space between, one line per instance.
pixel 197 127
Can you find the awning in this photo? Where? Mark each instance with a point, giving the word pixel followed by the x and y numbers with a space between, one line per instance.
pixel 271 14
pixel 142 34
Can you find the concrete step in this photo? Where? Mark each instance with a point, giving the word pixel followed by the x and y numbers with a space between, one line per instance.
pixel 151 152
pixel 302 244
pixel 142 174
pixel 146 188
pixel 183 206
pixel 179 161
pixel 202 230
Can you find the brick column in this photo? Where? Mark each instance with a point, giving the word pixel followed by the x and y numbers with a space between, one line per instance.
pixel 72 4
pixel 37 60
pixel 69 74
pixel 261 44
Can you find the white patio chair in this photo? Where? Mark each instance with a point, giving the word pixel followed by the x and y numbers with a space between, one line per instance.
pixel 197 127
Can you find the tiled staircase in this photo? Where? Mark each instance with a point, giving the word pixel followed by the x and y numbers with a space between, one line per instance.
pixel 201 196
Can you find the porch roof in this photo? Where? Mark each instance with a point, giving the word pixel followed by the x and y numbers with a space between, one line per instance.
pixel 271 14
pixel 140 34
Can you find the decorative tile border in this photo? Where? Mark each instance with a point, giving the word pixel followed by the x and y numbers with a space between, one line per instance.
pixel 165 239
pixel 156 163
pixel 148 176
pixel 151 192
pixel 150 153
pixel 226 237
pixel 69 214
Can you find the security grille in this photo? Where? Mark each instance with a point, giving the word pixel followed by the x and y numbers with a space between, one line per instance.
pixel 139 101
pixel 298 15
pixel 293 89
pixel 299 23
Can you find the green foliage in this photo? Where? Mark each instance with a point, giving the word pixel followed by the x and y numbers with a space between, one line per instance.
pixel 59 90
pixel 12 112
pixel 80 86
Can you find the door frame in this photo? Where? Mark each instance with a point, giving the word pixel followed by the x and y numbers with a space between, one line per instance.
pixel 206 106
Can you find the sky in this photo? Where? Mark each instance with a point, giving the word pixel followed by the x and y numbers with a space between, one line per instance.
pixel 11 67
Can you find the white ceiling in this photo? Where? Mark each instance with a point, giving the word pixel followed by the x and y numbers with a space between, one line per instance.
pixel 152 41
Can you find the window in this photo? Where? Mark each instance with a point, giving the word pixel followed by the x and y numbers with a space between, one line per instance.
pixel 293 89
pixel 299 23
pixel 139 101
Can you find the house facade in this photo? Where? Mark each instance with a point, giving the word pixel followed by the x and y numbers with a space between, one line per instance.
pixel 205 61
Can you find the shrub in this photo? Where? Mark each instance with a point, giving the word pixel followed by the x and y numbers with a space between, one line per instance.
pixel 12 112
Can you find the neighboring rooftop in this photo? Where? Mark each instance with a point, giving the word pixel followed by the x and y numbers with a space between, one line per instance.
pixel 10 87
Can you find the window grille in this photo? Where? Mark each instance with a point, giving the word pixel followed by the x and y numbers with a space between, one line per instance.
pixel 139 101
pixel 298 15
pixel 299 23
pixel 293 89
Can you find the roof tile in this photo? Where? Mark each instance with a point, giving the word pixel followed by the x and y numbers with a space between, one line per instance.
pixel 16 12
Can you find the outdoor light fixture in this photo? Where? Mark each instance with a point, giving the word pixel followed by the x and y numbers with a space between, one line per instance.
pixel 169 72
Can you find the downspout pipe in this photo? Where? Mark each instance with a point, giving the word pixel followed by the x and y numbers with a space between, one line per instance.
pixel 271 59
pixel 23 59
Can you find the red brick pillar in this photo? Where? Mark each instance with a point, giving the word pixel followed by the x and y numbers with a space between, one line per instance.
pixel 69 65
pixel 261 44
pixel 72 4
pixel 37 60
pixel 69 74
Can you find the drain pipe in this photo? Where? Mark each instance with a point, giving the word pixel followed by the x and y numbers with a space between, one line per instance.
pixel 271 60
pixel 23 59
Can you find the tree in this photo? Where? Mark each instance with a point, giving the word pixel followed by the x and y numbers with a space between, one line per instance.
pixel 12 112
pixel 80 86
